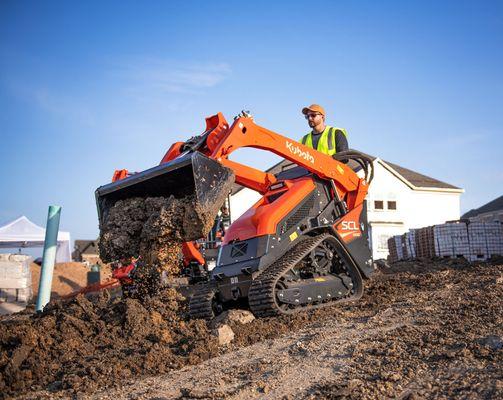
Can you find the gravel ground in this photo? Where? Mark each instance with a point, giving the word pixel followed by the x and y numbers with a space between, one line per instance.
pixel 422 330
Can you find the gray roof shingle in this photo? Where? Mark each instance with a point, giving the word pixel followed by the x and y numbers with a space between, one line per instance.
pixel 495 205
pixel 420 180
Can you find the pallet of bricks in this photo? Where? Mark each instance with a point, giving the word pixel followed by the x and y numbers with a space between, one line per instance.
pixel 396 248
pixel 452 240
pixel 475 241
pixel 425 243
pixel 402 247
pixel 485 240
pixel 15 278
pixel 409 239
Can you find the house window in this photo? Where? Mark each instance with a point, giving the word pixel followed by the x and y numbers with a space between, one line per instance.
pixel 378 205
pixel 391 205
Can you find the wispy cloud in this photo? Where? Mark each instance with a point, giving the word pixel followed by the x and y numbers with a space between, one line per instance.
pixel 152 83
pixel 168 76
pixel 54 102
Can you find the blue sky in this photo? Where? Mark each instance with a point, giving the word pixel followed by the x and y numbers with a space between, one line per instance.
pixel 89 87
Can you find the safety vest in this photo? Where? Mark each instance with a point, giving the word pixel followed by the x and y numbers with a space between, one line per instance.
pixel 326 144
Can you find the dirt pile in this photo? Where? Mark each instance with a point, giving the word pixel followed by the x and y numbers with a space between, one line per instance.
pixel 153 228
pixel 149 231
pixel 421 330
pixel 83 344
pixel 67 278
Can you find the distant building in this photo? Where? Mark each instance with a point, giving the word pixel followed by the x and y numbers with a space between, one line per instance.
pixel 399 199
pixel 492 211
pixel 86 251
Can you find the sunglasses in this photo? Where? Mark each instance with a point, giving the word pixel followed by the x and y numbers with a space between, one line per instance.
pixel 307 116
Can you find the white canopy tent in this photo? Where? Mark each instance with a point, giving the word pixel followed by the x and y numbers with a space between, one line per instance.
pixel 23 233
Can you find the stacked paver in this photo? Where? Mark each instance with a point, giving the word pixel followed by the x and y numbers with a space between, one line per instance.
pixel 410 244
pixel 15 278
pixel 451 240
pixel 395 247
pixel 475 241
pixel 485 240
pixel 425 242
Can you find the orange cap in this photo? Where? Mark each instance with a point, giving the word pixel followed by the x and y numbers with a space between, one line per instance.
pixel 314 108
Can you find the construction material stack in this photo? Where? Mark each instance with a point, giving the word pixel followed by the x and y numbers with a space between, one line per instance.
pixel 494 237
pixel 425 247
pixel 451 240
pixel 15 282
pixel 485 240
pixel 395 248
pixel 410 244
pixel 474 241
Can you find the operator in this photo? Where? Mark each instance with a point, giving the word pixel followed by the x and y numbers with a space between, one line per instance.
pixel 324 138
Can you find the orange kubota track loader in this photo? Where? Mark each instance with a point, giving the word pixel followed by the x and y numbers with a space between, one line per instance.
pixel 303 245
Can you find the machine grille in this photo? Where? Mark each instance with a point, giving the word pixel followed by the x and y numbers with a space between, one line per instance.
pixel 239 249
pixel 301 213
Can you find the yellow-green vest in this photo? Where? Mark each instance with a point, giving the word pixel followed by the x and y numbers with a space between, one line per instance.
pixel 326 144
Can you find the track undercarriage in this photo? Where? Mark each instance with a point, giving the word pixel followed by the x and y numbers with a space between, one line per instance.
pixel 314 273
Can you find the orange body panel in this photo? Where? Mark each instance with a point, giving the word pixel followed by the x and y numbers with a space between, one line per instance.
pixel 191 252
pixel 263 217
pixel 172 153
pixel 219 128
pixel 245 133
pixel 224 139
pixel 349 227
pixel 119 174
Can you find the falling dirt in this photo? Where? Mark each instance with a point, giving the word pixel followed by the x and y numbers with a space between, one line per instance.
pixel 421 330
pixel 152 229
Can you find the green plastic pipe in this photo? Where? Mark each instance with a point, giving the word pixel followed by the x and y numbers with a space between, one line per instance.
pixel 49 257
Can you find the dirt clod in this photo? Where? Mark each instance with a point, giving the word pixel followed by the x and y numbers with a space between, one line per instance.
pixel 224 334
pixel 233 317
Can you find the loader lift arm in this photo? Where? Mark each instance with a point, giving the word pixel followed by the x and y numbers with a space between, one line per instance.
pixel 219 140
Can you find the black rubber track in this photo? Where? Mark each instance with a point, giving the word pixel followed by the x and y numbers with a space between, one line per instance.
pixel 262 297
pixel 201 302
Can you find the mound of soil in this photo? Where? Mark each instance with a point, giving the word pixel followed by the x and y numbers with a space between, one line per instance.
pixel 67 278
pixel 153 227
pixel 84 344
pixel 150 228
pixel 421 330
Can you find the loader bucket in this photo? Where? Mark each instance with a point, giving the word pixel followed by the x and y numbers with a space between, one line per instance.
pixel 192 174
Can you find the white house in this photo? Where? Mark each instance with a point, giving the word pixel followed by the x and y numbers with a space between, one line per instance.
pixel 399 199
